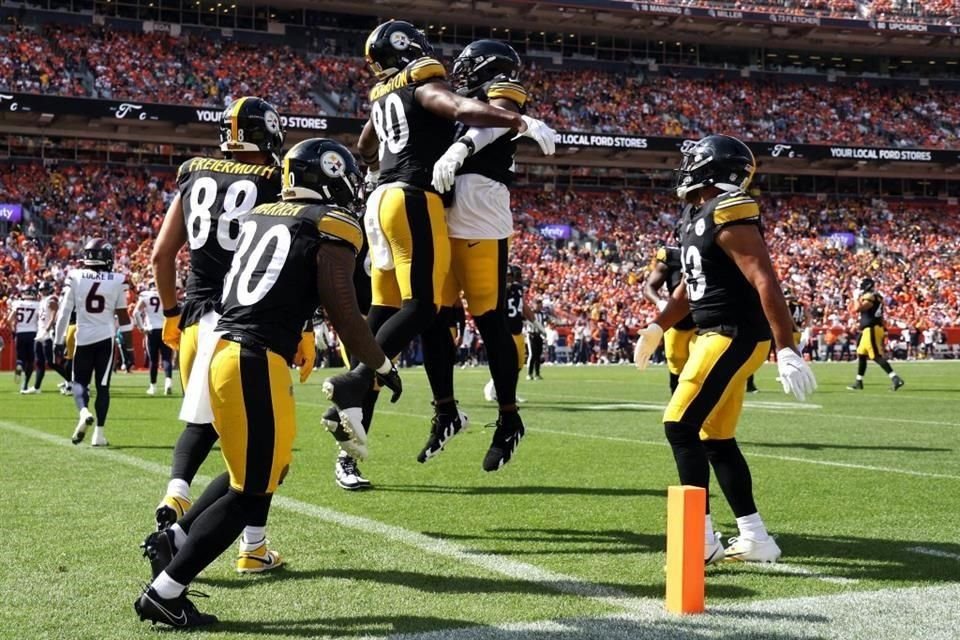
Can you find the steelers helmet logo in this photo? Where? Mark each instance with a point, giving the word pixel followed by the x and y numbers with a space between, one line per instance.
pixel 333 164
pixel 272 121
pixel 399 40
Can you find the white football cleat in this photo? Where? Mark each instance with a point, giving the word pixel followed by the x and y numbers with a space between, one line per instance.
pixel 98 439
pixel 490 392
pixel 86 420
pixel 746 550
pixel 152 390
pixel 29 391
pixel 713 551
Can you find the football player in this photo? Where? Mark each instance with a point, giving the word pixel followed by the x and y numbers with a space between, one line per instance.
pixel 870 346
pixel 798 312
pixel 149 316
pixel 515 312
pixel 668 269
pixel 292 255
pixel 736 301
pixel 98 295
pixel 43 346
pixel 478 167
pixel 207 213
pixel 413 115
pixel 22 318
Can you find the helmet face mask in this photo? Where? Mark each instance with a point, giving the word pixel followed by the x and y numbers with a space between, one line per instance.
pixel 482 63
pixel 98 255
pixel 719 161
pixel 252 125
pixel 392 46
pixel 322 170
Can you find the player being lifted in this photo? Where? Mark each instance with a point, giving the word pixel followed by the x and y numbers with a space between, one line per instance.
pixel 870 346
pixel 478 167
pixel 97 294
pixel 735 298
pixel 22 319
pixel 148 314
pixel 668 270
pixel 214 195
pixel 412 120
pixel 292 255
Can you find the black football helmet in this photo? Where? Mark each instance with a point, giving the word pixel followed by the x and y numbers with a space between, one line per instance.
pixel 28 291
pixel 720 161
pixel 98 255
pixel 515 273
pixel 867 285
pixel 323 170
pixel 392 46
pixel 481 64
pixel 251 124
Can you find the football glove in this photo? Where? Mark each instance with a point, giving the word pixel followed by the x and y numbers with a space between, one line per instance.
pixel 391 380
pixel 647 342
pixel 306 355
pixel 541 133
pixel 171 331
pixel 796 376
pixel 445 169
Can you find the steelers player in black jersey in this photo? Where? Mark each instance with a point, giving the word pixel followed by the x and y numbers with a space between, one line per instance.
pixel 291 256
pixel 213 197
pixel 870 346
pixel 478 168
pixel 735 298
pixel 413 115
pixel 798 313
pixel 668 270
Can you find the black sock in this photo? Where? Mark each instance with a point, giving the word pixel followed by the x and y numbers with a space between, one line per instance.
pixel 733 475
pixel 689 454
pixel 396 333
pixel 440 354
pixel 40 374
pixel 191 450
pixel 217 488
pixel 102 404
pixel 369 404
pixel 212 533
pixel 861 365
pixel 501 354
pixel 674 381
pixel 880 360
pixel 68 371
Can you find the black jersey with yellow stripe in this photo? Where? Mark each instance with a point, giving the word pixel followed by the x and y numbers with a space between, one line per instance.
pixel 496 160
pixel 873 315
pixel 411 138
pixel 720 296
pixel 215 194
pixel 670 256
pixel 271 289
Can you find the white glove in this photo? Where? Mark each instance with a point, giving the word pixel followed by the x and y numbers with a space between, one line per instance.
pixel 539 132
pixel 647 342
pixel 445 169
pixel 661 304
pixel 796 376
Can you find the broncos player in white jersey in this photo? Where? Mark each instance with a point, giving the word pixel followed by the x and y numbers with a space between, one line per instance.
pixel 97 294
pixel 22 319
pixel 148 316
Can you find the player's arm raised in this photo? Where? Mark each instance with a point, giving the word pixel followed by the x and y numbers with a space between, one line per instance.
pixel 172 237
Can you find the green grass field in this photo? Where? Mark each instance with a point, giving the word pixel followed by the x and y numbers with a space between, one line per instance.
pixel 567 541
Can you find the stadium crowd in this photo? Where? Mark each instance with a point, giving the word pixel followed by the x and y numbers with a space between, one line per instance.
pixel 900 10
pixel 592 278
pixel 159 68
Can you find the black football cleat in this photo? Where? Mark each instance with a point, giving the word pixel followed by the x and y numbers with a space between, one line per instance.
pixel 442 428
pixel 856 386
pixel 506 439
pixel 896 382
pixel 177 612
pixel 159 549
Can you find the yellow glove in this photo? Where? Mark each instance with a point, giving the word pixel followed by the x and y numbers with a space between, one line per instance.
pixel 306 355
pixel 171 329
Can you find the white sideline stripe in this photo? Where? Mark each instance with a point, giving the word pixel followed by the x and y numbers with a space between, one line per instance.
pixel 797 570
pixel 936 553
pixel 754 454
pixel 501 565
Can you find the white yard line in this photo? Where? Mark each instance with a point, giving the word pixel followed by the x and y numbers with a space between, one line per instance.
pixel 936 553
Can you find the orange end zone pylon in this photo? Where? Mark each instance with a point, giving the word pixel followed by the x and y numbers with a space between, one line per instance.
pixel 686 507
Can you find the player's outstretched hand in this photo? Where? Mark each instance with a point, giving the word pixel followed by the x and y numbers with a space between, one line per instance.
pixel 445 169
pixel 647 342
pixel 541 133
pixel 391 380
pixel 306 355
pixel 795 374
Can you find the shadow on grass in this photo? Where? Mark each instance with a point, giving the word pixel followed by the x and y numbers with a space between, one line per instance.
pixel 819 446
pixel 352 627
pixel 615 492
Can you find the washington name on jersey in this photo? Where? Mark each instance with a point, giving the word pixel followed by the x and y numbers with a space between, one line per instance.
pixel 721 298
pixel 215 194
pixel 411 138
pixel 271 289
pixel 95 296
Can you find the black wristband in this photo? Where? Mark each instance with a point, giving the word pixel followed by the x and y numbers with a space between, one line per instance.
pixel 172 312
pixel 469 144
